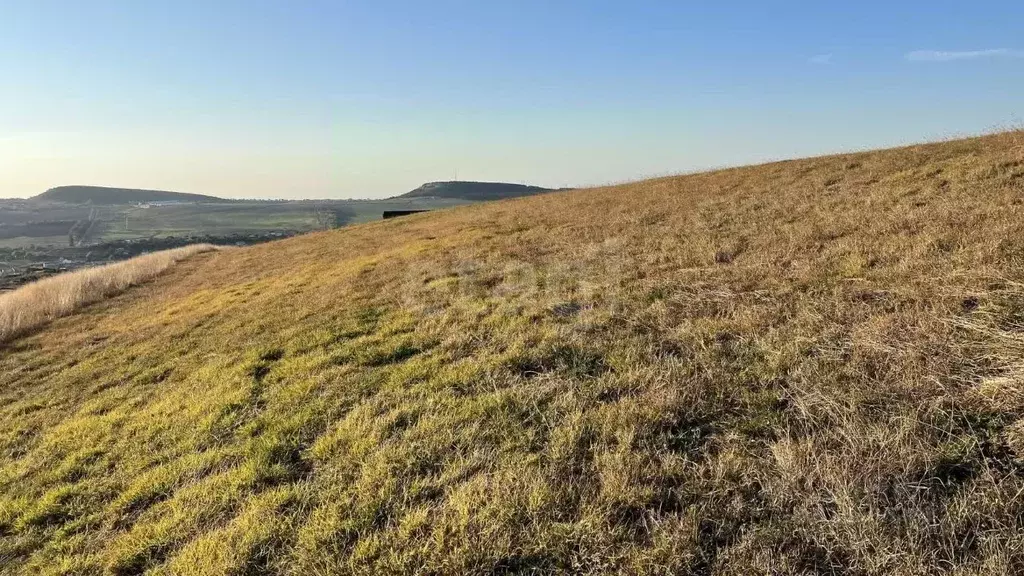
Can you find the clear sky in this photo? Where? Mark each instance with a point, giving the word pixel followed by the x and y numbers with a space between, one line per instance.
pixel 370 98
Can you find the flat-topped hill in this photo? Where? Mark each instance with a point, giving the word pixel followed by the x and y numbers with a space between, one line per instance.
pixel 104 195
pixel 477 191
pixel 812 366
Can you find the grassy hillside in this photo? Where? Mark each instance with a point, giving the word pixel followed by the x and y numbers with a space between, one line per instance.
pixel 813 366
pixel 104 195
pixel 475 191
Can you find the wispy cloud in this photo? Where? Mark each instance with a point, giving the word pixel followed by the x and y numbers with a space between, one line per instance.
pixel 820 59
pixel 952 55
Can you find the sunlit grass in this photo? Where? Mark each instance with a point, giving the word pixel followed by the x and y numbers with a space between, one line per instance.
pixel 803 367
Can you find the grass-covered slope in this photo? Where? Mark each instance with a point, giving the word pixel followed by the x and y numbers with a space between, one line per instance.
pixel 804 367
pixel 105 195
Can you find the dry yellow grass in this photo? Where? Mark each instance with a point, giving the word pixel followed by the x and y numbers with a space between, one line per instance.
pixel 34 304
pixel 804 367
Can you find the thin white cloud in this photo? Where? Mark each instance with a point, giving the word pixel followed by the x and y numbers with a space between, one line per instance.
pixel 952 55
pixel 820 59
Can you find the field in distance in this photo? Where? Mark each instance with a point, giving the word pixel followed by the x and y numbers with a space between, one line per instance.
pixel 805 367
pixel 24 223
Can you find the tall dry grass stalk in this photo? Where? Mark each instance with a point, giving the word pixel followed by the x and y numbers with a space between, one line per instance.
pixel 50 298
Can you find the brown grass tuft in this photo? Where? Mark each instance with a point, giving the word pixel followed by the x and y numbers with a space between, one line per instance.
pixel 34 304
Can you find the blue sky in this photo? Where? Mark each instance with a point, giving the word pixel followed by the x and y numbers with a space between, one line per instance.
pixel 264 98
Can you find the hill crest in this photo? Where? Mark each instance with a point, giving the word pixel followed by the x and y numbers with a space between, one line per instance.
pixel 79 194
pixel 467 190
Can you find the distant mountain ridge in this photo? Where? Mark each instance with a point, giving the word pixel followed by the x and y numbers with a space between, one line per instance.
pixel 106 195
pixel 474 190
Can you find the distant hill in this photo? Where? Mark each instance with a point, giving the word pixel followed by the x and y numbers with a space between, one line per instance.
pixel 104 195
pixel 474 190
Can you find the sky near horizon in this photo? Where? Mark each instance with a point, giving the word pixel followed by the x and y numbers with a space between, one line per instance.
pixel 361 99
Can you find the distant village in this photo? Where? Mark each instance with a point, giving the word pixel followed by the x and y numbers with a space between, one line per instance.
pixel 158 203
